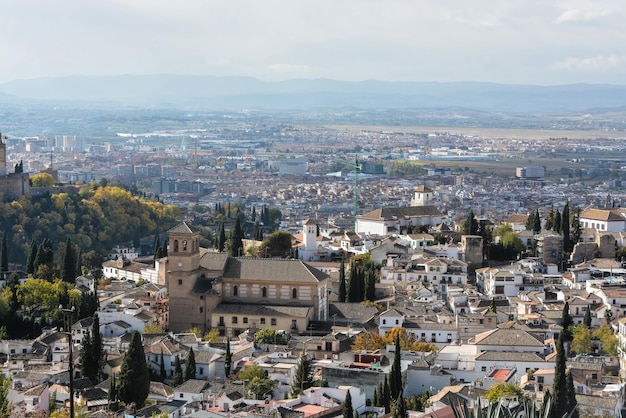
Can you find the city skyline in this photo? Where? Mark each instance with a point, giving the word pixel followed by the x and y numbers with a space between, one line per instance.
pixel 530 42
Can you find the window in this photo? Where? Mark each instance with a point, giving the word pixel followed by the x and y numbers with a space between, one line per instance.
pixel 221 323
pixel 539 379
pixel 245 319
pixel 185 245
pixel 273 321
pixel 262 321
pixel 397 321
pixel 181 395
pixel 294 324
pixel 483 369
pixel 201 371
pixel 176 246
pixel 235 291
pixel 201 309
pixel 264 292
pixel 234 320
pixel 294 293
pixel 384 322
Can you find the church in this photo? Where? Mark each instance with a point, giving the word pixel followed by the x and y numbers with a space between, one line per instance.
pixel 14 184
pixel 213 290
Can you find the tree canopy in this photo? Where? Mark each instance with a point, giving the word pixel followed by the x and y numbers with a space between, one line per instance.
pixel 134 378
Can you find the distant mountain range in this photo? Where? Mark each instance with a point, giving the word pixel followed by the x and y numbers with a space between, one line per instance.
pixel 246 92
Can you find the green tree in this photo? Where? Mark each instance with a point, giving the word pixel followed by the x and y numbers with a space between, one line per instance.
pixel 370 286
pixel 581 339
pixel 342 281
pixel 550 218
pixel 87 368
pixel 608 339
pixel 557 222
pixel 276 244
pixel 497 391
pixel 256 380
pixel 4 254
pixel 303 379
pixel 190 367
pixel 565 226
pixel 570 392
pixel 162 371
pixel 5 405
pixel 386 398
pixel 492 306
pixel 177 378
pixel 269 336
pixel 134 380
pixel 348 412
pixel 395 377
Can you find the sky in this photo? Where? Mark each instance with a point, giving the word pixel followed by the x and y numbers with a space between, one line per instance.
pixel 540 42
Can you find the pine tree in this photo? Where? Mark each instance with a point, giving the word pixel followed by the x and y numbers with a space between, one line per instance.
pixel 347 406
pixel 30 262
pixel 302 379
pixel 560 381
pixel 134 379
pixel 190 367
pixel 342 281
pixel 177 378
pixel 69 263
pixel 112 391
pixel 395 377
pixel 587 317
pixel 4 255
pixel 228 359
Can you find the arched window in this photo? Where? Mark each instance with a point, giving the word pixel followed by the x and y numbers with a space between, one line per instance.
pixel 185 245
pixel 294 293
pixel 264 292
pixel 235 291
pixel 175 245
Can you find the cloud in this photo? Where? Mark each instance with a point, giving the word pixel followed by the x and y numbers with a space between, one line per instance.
pixel 597 63
pixel 579 16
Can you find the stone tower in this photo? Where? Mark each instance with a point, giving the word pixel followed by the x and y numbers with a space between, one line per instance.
pixel 3 157
pixel 422 196
pixel 309 240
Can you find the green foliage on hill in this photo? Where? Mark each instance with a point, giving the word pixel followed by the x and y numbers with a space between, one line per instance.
pixel 95 218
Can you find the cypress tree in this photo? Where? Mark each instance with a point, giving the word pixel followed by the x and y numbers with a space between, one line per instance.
pixel 565 227
pixel 78 256
pixel 550 219
pixel 190 368
pixel 4 255
pixel 536 227
pixel 560 381
pixel 570 392
pixel 587 317
pixel 302 379
pixel 370 286
pixel 400 408
pixel 99 355
pixel 177 378
pixel 352 284
pixel 342 281
pixel 134 379
pixel 236 239
pixel 566 322
pixel 221 238
pixel 157 246
pixel 470 226
pixel 162 371
pixel 395 377
pixel 347 406
pixel 386 400
pixel 375 399
pixel 67 272
pixel 30 262
pixel 112 390
pixel 557 222
pixel 228 359
pixel 87 366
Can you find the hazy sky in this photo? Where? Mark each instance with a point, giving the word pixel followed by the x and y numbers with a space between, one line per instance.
pixel 505 41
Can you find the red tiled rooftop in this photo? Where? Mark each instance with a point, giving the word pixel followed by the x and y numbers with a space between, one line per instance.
pixel 500 374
